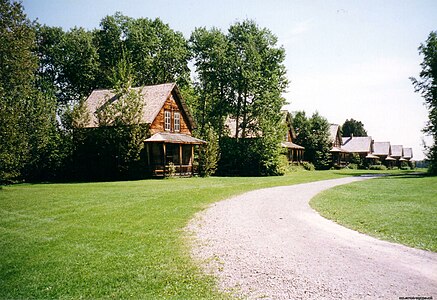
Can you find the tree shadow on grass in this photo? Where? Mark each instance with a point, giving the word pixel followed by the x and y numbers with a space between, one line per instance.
pixel 387 175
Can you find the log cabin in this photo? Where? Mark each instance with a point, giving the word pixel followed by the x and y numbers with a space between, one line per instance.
pixel 170 145
pixel 383 151
pixel 336 151
pixel 295 152
pixel 362 146
pixel 408 154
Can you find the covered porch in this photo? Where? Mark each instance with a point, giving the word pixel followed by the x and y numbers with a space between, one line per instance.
pixel 337 157
pixel 171 154
pixel 294 152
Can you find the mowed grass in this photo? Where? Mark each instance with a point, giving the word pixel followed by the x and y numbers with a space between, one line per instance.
pixel 112 240
pixel 401 209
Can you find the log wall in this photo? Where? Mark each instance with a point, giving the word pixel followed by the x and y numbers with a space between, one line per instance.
pixel 173 105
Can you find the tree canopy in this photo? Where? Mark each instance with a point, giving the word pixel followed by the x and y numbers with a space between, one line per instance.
pixel 353 128
pixel 426 85
pixel 313 134
pixel 27 116
pixel 241 76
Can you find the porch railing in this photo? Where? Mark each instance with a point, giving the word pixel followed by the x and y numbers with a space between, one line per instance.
pixel 174 170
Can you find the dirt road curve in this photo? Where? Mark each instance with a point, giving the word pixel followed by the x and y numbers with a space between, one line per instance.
pixel 270 244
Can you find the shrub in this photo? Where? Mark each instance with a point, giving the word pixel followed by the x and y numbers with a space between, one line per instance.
pixel 405 165
pixel 308 166
pixel 378 167
pixel 209 153
pixel 295 168
pixel 352 166
pixel 171 169
pixel 283 165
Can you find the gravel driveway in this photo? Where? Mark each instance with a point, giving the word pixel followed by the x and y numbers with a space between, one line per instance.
pixel 270 244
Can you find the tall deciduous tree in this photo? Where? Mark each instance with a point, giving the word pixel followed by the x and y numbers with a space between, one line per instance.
pixel 209 48
pixel 68 63
pixel 257 75
pixel 241 75
pixel 353 127
pixel 27 117
pixel 426 85
pixel 159 54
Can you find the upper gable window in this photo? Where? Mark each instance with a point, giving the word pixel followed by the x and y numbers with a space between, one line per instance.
pixel 177 122
pixel 167 120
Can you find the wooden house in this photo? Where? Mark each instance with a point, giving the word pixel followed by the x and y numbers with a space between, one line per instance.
pixel 407 154
pixel 362 146
pixel 383 151
pixel 294 152
pixel 397 151
pixel 170 144
pixel 336 151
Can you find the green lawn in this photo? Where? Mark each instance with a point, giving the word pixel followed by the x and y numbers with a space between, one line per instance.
pixel 401 209
pixel 112 240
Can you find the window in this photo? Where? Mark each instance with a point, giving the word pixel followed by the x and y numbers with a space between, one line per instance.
pixel 177 121
pixel 167 120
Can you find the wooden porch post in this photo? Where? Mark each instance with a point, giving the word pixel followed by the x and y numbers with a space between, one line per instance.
pixel 192 160
pixel 165 156
pixel 148 154
pixel 180 159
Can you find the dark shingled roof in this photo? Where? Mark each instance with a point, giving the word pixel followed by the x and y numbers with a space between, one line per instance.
pixel 154 98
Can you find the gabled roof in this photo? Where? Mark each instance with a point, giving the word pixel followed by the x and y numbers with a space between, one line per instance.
pixel 176 138
pixel 154 98
pixel 357 144
pixel 333 131
pixel 287 119
pixel 231 126
pixel 381 148
pixel 408 153
pixel 291 145
pixel 396 150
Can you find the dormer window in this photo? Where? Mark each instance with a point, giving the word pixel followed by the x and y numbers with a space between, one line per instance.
pixel 167 120
pixel 177 122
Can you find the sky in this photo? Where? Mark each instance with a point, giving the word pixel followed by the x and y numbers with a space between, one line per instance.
pixel 344 59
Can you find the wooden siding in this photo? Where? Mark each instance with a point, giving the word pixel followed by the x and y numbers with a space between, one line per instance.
pixel 173 105
pixel 289 136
